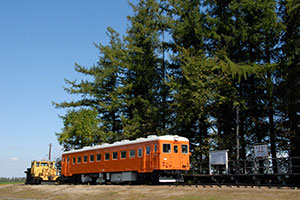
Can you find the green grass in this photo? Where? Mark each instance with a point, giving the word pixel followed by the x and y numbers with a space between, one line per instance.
pixel 11 182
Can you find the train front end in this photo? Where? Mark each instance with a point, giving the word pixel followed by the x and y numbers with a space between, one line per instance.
pixel 174 159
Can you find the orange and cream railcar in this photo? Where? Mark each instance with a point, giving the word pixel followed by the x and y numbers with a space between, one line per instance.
pixel 152 159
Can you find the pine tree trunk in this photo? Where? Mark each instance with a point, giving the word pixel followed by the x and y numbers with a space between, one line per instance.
pixel 272 137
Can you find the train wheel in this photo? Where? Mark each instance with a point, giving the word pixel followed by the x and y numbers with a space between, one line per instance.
pixel 154 179
pixel 94 181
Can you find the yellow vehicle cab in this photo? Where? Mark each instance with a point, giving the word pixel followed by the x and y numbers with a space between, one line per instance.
pixel 41 171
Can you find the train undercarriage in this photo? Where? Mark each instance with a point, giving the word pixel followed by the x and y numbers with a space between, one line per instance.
pixel 156 177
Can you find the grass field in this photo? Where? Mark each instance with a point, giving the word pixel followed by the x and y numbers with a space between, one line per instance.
pixel 110 192
pixel 11 182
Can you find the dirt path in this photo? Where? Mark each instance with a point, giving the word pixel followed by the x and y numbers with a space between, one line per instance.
pixel 103 192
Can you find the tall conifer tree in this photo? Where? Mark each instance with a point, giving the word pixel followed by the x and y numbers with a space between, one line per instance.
pixel 290 85
pixel 100 92
pixel 247 32
pixel 216 56
pixel 142 77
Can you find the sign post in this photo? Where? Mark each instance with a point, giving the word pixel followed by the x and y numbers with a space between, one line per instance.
pixel 260 154
pixel 218 158
pixel 261 151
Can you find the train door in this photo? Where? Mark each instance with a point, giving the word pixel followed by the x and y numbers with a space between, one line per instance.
pixel 64 165
pixel 155 156
pixel 141 158
pixel 68 165
pixel 148 158
pixel 176 160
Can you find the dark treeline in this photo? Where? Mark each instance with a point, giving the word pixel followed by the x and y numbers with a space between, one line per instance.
pixel 186 67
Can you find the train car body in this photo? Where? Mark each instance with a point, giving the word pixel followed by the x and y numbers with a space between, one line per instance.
pixel 153 159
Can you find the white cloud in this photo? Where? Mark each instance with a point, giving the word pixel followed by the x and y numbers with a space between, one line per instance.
pixel 14 159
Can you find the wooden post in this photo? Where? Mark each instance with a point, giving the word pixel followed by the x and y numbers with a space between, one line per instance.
pixel 49 151
pixel 237 139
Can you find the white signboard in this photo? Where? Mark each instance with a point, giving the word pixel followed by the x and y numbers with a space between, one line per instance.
pixel 261 151
pixel 218 157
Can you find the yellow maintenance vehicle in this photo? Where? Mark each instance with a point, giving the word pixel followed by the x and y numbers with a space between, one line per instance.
pixel 41 171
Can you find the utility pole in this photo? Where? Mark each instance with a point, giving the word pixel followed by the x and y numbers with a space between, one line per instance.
pixel 49 151
pixel 237 138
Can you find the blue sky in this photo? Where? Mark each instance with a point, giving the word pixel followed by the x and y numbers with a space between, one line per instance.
pixel 40 40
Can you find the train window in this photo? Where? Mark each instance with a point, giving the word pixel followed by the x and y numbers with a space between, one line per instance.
pixel 68 160
pixel 84 159
pixel 140 152
pixel 98 157
pixel 175 149
pixel 115 155
pixel 155 148
pixel 74 160
pixel 148 149
pixel 166 148
pixel 92 157
pixel 123 154
pixel 184 148
pixel 132 153
pixel 78 159
pixel 37 164
pixel 107 156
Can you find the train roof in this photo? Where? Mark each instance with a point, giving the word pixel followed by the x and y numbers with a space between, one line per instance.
pixel 127 142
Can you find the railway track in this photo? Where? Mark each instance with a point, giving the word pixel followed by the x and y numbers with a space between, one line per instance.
pixel 236 186
pixel 187 185
pixel 207 185
pixel 252 180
